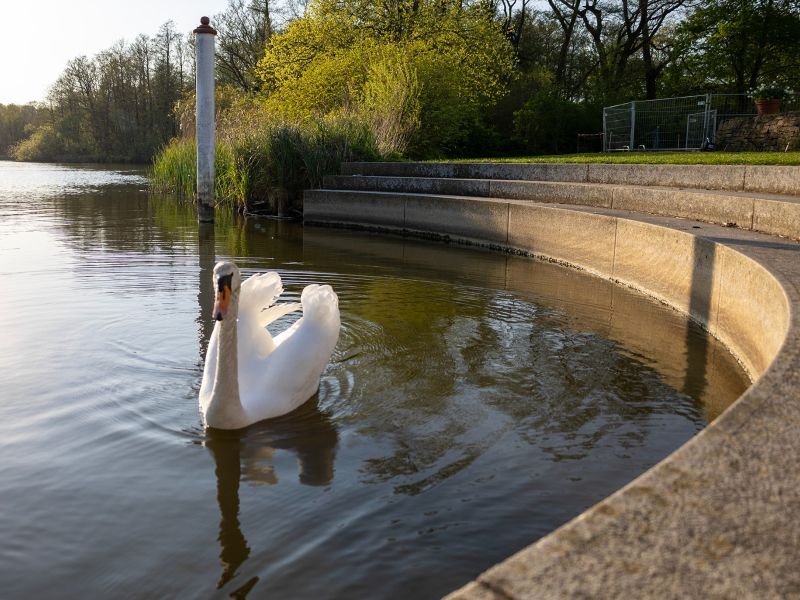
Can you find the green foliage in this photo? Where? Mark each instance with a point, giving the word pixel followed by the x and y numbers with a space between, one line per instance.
pixel 330 142
pixel 175 168
pixel 770 91
pixel 737 45
pixel 43 145
pixel 326 86
pixel 18 122
pixel 421 74
pixel 390 103
pixel 549 124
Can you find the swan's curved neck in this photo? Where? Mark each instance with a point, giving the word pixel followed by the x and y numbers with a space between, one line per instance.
pixel 225 409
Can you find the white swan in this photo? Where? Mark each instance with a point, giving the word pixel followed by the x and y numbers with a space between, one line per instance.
pixel 248 375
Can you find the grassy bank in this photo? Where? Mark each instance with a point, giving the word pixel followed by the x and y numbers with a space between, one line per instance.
pixel 659 158
pixel 262 167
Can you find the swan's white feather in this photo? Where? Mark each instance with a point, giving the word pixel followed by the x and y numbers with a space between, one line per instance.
pixel 259 291
pixel 273 313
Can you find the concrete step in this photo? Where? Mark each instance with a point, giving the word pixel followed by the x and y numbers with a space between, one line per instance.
pixel 767 213
pixel 742 178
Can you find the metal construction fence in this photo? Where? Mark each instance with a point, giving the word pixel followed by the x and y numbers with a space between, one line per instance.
pixel 684 123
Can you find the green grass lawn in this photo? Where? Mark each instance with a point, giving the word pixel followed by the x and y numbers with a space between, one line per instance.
pixel 659 158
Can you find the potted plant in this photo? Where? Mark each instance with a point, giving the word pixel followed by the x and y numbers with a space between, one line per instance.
pixel 768 98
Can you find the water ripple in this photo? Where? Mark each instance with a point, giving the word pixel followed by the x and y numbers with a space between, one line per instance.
pixel 464 383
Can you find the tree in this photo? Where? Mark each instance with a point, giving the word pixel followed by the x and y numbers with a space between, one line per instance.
pixel 117 105
pixel 244 30
pixel 17 122
pixel 736 44
pixel 512 15
pixel 620 31
pixel 454 53
pixel 566 13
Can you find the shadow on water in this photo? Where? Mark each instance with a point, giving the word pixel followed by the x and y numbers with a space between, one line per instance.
pixel 700 293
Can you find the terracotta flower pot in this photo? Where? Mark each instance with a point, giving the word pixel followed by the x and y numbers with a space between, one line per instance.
pixel 768 107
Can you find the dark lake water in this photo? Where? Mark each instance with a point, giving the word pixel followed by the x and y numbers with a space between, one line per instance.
pixel 475 402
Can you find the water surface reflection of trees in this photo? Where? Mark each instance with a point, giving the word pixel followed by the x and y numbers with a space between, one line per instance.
pixel 430 354
pixel 566 362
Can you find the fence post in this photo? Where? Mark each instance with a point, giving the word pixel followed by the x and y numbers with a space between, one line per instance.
pixel 204 128
pixel 631 146
pixel 706 121
pixel 605 132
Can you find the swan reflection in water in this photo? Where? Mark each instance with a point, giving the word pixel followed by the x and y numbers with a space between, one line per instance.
pixel 247 455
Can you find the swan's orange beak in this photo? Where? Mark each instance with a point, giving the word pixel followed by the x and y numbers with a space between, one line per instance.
pixel 223 298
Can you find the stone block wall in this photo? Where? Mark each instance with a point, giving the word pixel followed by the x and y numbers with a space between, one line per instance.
pixel 760 133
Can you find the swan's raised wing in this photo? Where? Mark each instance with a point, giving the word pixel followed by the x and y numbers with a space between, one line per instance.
pixel 258 295
pixel 259 291
pixel 301 353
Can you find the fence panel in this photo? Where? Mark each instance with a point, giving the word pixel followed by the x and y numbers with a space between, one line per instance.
pixel 682 123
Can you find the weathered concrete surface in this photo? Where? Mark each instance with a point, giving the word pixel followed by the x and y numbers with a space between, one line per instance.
pixel 753 311
pixel 772 179
pixel 675 267
pixel 352 207
pixel 715 177
pixel 777 216
pixel 680 269
pixel 755 178
pixel 711 207
pixel 468 218
pixel 522 171
pixel 550 232
pixel 413 185
pixel 765 211
pixel 720 517
pixel 548 191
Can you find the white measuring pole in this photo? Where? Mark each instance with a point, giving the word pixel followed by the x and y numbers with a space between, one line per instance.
pixel 204 118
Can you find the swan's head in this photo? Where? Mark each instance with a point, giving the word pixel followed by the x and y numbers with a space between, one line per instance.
pixel 227 282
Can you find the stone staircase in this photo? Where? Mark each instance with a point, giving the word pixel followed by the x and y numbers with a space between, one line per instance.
pixel 756 198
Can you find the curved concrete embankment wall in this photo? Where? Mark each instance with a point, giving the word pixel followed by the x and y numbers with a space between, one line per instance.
pixel 717 518
pixel 720 288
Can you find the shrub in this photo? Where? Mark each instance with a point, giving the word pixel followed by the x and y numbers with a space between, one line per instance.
pixel 547 124
pixel 174 170
pixel 43 144
pixel 390 103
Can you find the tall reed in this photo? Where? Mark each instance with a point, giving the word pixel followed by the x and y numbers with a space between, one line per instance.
pixel 175 168
pixel 174 171
pixel 256 162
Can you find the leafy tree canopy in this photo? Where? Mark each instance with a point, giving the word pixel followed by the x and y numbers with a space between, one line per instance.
pixel 735 45
pixel 456 53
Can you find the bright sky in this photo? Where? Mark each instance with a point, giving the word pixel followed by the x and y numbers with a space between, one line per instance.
pixel 39 36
